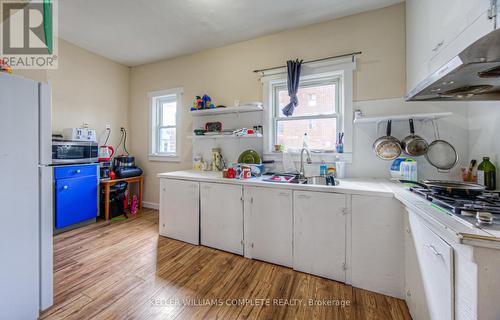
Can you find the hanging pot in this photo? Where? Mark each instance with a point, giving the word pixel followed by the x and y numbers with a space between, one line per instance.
pixel 387 147
pixel 413 144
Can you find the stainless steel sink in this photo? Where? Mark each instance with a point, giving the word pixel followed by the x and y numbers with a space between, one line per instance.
pixel 294 178
pixel 318 181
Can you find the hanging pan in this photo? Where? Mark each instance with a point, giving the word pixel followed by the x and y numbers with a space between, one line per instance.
pixel 414 145
pixel 387 147
pixel 440 153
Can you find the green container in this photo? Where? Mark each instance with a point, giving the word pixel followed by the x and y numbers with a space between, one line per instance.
pixel 486 174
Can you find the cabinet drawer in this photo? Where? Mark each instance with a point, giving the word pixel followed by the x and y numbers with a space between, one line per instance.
pixel 75 171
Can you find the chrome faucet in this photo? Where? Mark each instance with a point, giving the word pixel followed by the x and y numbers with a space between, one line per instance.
pixel 302 171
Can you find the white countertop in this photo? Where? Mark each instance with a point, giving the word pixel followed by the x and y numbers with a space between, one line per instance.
pixel 442 222
pixel 376 187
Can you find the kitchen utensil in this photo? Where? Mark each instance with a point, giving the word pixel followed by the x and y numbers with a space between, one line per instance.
pixel 106 153
pixel 250 156
pixel 468 173
pixel 440 153
pixel 453 188
pixel 413 144
pixel 387 147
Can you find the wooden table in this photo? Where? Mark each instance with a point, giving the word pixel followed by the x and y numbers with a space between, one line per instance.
pixel 107 184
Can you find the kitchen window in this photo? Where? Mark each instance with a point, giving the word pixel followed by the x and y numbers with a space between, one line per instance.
pixel 164 134
pixel 318 114
pixel 325 109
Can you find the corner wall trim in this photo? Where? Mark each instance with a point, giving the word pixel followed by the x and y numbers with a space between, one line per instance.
pixel 151 205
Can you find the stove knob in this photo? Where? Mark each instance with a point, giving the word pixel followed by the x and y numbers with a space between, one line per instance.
pixel 484 217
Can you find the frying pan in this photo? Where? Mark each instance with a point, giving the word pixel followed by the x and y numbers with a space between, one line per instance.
pixel 413 144
pixel 387 147
pixel 458 188
pixel 441 154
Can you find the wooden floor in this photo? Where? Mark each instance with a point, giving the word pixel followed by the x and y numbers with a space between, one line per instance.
pixel 124 270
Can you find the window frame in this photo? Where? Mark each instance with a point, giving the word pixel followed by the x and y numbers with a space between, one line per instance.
pixel 155 111
pixel 316 80
pixel 343 67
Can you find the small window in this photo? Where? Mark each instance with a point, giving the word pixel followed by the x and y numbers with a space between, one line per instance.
pixel 318 114
pixel 164 124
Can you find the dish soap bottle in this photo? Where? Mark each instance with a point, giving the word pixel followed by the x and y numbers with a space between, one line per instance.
pixel 486 174
pixel 322 168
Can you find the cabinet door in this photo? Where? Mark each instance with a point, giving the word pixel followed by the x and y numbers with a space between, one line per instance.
pixel 319 234
pixel 222 217
pixel 414 286
pixel 180 210
pixel 269 215
pixel 435 258
pixel 437 30
pixel 378 245
pixel 76 200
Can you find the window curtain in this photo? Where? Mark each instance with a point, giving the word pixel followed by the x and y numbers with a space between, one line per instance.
pixel 293 80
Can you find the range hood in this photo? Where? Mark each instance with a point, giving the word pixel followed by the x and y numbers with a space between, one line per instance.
pixel 473 75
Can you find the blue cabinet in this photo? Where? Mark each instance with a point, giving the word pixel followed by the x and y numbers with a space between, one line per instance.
pixel 75 194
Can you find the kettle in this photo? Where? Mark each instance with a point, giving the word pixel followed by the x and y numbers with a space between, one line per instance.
pixel 106 153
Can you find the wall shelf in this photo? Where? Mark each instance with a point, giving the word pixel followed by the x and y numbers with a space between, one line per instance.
pixel 229 110
pixel 402 117
pixel 226 136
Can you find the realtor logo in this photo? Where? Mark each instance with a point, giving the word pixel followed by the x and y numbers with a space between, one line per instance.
pixel 29 34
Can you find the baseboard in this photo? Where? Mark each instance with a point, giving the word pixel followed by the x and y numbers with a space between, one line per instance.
pixel 151 205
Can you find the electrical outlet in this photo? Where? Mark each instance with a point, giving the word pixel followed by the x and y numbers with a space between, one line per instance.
pixel 108 127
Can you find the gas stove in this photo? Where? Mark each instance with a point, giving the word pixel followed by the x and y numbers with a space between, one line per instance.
pixel 480 211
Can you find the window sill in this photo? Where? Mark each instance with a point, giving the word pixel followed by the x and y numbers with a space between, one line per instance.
pixel 315 157
pixel 164 158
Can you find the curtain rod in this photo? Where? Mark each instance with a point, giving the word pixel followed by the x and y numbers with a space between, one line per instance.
pixel 339 56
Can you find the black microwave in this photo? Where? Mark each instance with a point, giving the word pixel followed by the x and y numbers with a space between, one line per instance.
pixel 70 152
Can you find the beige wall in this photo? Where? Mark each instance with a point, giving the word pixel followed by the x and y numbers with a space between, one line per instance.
pixel 86 88
pixel 89 88
pixel 226 73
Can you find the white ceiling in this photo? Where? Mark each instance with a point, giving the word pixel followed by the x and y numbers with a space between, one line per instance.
pixel 135 32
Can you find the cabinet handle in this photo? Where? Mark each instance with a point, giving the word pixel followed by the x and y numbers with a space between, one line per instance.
pixel 283 194
pixel 303 196
pixel 65 187
pixel 433 249
pixel 78 171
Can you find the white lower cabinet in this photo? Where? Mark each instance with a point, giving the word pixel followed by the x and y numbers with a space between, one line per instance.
pixel 268 225
pixel 414 285
pixel 180 210
pixel 221 216
pixel 435 263
pixel 319 238
pixel 377 242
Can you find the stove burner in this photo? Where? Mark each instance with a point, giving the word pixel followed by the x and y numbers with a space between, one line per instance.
pixel 482 210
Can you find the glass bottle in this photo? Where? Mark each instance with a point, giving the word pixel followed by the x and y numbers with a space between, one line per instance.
pixel 486 174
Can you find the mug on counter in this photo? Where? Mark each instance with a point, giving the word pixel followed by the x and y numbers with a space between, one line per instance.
pixel 246 173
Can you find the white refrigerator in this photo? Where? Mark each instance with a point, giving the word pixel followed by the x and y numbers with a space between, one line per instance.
pixel 26 197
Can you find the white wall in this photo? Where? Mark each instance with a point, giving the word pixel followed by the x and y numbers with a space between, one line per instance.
pixel 226 73
pixel 453 129
pixel 484 137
